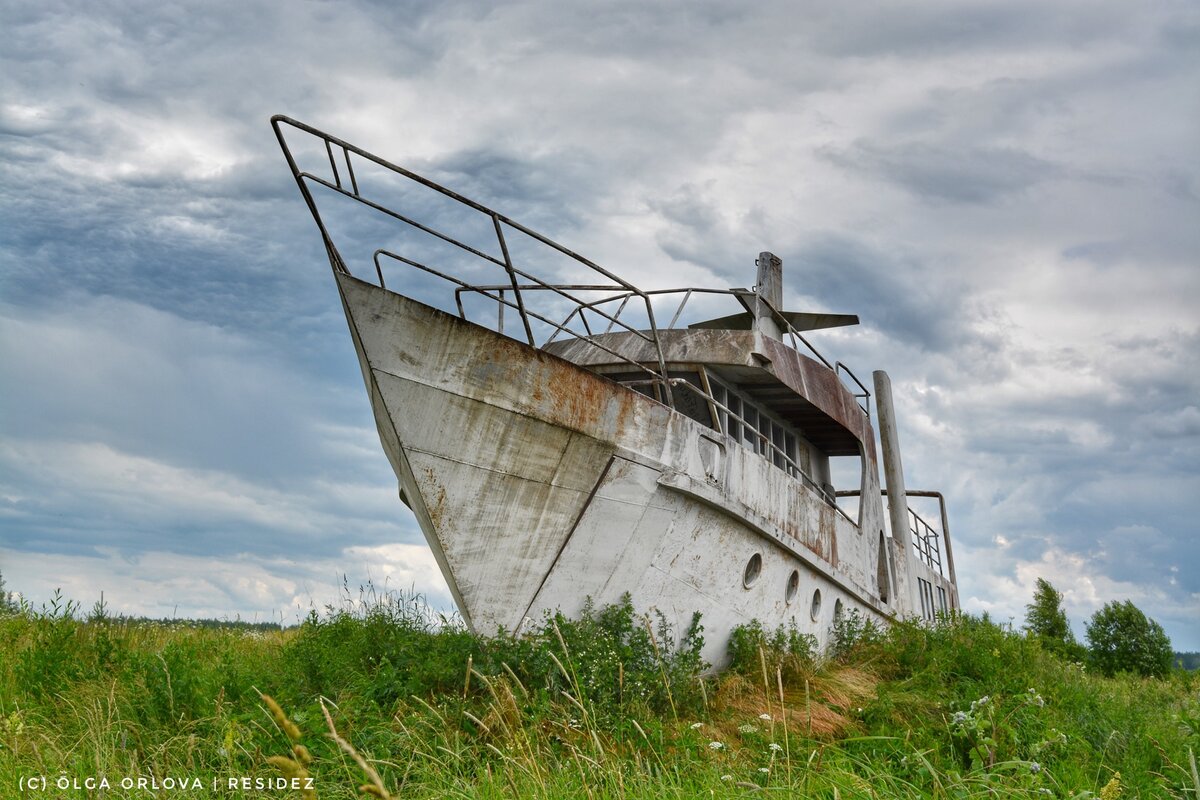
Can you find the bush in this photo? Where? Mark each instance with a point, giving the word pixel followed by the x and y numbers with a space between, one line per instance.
pixel 392 648
pixel 1123 639
pixel 851 633
pixel 752 648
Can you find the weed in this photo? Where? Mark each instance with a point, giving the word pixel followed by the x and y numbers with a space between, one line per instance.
pixel 384 698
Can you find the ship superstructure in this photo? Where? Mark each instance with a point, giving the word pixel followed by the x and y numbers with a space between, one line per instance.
pixel 556 441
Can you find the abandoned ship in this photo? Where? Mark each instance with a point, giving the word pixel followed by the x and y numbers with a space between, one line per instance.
pixel 557 442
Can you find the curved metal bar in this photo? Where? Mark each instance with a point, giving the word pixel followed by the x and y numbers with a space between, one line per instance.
pixel 398 216
pixel 335 258
pixel 284 119
pixel 839 367
pixel 508 265
pixel 620 289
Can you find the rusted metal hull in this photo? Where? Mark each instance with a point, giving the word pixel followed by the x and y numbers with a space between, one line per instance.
pixel 539 484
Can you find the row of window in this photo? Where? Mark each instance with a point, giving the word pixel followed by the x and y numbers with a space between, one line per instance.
pixel 743 420
pixel 759 432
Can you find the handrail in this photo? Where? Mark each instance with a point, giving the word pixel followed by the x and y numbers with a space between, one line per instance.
pixel 356 186
pixel 687 292
pixel 865 395
pixel 499 221
pixel 925 540
pixel 929 542
pixel 500 299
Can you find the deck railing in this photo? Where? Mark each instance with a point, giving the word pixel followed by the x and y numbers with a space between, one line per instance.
pixel 925 541
pixel 583 313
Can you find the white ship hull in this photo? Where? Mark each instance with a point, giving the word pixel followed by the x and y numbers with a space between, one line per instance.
pixel 602 453
pixel 539 485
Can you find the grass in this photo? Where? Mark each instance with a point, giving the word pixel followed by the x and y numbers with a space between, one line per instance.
pixel 380 698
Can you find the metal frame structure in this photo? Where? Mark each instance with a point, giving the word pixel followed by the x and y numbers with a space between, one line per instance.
pixel 519 280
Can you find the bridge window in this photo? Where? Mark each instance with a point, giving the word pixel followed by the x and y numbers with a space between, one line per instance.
pixel 748 423
pixel 761 432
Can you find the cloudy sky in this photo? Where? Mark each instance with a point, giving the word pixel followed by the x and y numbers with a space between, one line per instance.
pixel 1007 193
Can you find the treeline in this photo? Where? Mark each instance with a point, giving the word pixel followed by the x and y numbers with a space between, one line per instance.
pixel 10 603
pixel 1188 661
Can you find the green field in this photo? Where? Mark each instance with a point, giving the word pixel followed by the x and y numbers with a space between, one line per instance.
pixel 613 705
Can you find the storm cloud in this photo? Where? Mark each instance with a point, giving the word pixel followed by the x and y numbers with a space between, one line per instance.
pixel 1006 193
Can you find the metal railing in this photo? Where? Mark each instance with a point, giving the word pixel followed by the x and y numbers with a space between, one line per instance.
pixel 798 342
pixel 926 540
pixel 511 294
pixel 499 224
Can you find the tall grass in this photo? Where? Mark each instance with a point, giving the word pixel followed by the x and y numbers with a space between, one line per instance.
pixel 381 698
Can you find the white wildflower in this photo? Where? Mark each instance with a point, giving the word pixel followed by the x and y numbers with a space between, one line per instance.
pixel 716 746
pixel 765 717
pixel 747 728
pixel 775 747
pixel 764 770
pixel 1035 767
pixel 697 726
pixel 726 777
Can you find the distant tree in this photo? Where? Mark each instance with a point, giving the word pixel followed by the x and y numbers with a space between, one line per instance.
pixel 1123 639
pixel 1045 616
pixel 1046 620
pixel 7 603
pixel 1188 661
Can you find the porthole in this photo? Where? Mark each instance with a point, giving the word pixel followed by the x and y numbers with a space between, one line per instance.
pixel 793 586
pixel 753 570
pixel 815 611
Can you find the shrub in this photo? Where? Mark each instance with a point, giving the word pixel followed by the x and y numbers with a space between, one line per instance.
pixel 752 647
pixel 391 648
pixel 852 632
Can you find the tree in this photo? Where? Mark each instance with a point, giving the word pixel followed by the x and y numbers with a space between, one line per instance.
pixel 1046 620
pixel 7 603
pixel 1123 639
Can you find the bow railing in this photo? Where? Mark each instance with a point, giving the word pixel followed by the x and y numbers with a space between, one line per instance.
pixel 582 309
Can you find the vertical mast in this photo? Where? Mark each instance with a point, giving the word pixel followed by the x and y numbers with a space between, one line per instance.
pixel 893 473
pixel 769 287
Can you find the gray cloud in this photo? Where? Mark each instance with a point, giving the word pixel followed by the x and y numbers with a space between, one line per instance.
pixel 971 175
pixel 1005 193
